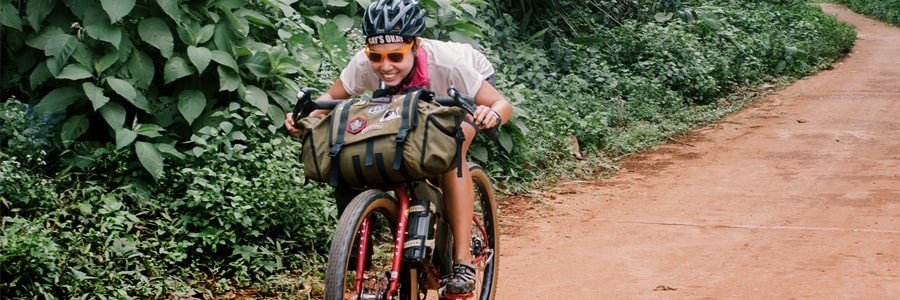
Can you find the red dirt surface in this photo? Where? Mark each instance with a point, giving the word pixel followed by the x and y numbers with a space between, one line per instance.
pixel 797 196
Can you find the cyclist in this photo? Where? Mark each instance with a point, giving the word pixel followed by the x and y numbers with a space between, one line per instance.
pixel 396 56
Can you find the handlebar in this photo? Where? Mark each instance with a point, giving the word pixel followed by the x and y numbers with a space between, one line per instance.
pixel 305 105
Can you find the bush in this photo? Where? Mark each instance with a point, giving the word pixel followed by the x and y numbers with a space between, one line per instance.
pixel 29 256
pixel 885 10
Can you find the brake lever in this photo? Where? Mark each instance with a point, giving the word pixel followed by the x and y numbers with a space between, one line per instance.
pixel 468 104
pixel 303 107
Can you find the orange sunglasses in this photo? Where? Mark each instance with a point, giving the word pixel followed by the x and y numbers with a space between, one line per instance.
pixel 394 56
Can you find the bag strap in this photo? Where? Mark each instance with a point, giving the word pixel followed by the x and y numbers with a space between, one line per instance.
pixel 344 114
pixel 460 139
pixel 410 105
pixel 405 121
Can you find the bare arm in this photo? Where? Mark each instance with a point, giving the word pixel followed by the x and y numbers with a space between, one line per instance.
pixel 489 100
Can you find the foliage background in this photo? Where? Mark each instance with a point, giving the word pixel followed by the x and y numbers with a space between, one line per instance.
pixel 142 156
pixel 885 10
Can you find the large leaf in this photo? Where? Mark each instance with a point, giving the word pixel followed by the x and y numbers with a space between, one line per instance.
pixel 175 68
pixel 127 46
pixel 200 57
pixel 37 10
pixel 73 128
pixel 479 153
pixel 335 43
pixel 257 97
pixel 191 104
pixel 165 111
pixel 505 141
pixel 9 16
pixel 255 17
pixel 58 100
pixel 337 3
pixel 114 114
pixel 471 9
pixel 228 4
pixel 306 53
pixel 225 59
pixel 239 25
pixel 83 55
pixel 462 37
pixel 284 6
pixel 95 94
pixel 260 64
pixel 105 62
pixel 74 72
pixel 148 130
pixel 170 150
pixel 105 32
pixel 57 45
pixel 150 158
pixel 43 39
pixel 127 91
pixel 224 37
pixel 140 101
pixel 468 29
pixel 122 87
pixel 116 9
pixel 229 80
pixel 155 32
pixel 171 9
pixel 39 75
pixel 204 34
pixel 140 66
pixel 343 22
pixel 276 114
pixel 124 137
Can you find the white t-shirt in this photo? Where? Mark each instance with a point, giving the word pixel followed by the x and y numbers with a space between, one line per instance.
pixel 449 64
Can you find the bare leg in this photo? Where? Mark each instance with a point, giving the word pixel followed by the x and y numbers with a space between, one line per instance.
pixel 459 199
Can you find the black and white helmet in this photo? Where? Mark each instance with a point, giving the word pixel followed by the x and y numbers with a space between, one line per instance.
pixel 394 17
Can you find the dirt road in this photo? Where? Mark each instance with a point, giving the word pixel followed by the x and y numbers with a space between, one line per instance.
pixel 795 197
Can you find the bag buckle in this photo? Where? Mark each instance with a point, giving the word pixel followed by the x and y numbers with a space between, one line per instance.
pixel 335 150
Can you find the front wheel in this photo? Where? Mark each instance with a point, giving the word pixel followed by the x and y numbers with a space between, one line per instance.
pixel 485 234
pixel 357 272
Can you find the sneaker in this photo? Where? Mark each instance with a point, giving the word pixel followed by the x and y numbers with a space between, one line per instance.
pixel 462 280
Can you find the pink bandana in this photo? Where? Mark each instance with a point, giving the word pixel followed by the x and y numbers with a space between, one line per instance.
pixel 420 76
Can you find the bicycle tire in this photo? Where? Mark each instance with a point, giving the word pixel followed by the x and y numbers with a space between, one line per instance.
pixel 487 213
pixel 382 210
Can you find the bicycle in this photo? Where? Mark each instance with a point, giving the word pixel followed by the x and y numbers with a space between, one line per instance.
pixel 375 226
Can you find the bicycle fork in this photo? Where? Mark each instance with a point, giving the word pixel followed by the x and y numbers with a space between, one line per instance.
pixel 365 233
pixel 399 240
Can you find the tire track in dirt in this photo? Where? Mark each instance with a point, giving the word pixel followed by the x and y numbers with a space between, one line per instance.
pixel 795 197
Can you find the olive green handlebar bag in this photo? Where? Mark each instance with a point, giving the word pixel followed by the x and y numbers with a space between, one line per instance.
pixel 379 141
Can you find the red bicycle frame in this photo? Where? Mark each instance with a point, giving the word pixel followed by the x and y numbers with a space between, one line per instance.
pixel 402 195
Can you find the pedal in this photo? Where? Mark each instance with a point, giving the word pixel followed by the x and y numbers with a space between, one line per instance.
pixel 443 295
pixel 457 296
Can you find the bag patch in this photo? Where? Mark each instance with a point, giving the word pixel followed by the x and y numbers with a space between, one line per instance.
pixel 356 125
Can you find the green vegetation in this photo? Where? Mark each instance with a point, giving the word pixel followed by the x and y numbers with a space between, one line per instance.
pixel 885 10
pixel 141 154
